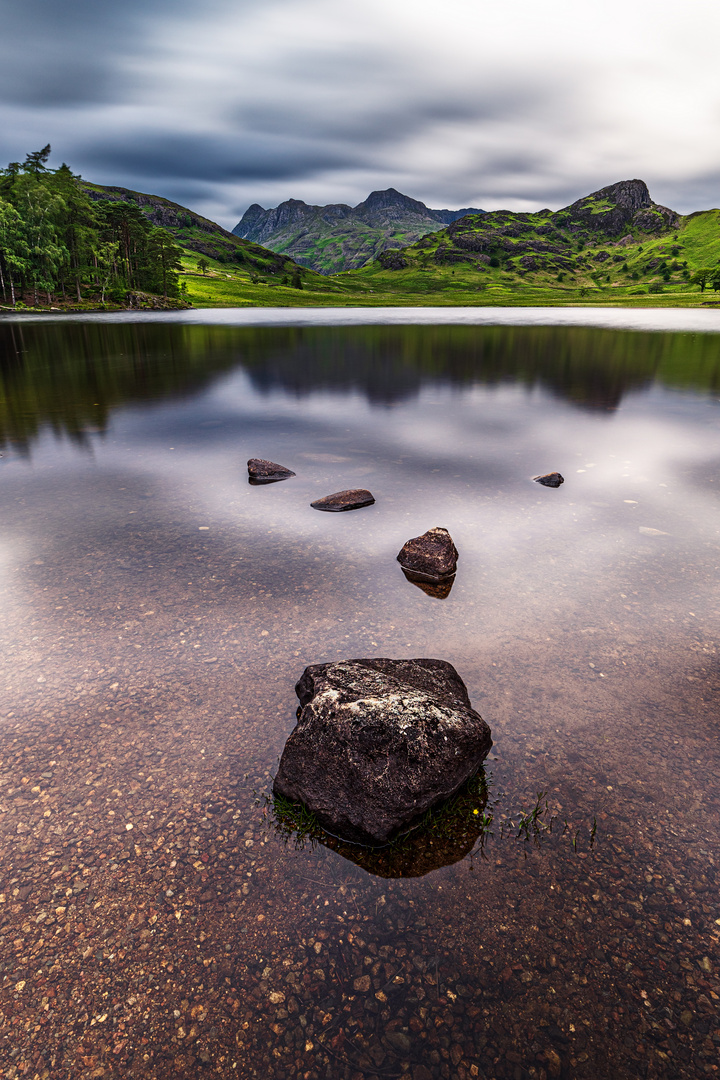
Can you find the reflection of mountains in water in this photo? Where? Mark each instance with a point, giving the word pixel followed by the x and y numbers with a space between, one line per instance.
pixel 588 367
pixel 69 376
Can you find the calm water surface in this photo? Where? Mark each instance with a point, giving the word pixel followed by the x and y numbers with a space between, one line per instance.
pixel 155 920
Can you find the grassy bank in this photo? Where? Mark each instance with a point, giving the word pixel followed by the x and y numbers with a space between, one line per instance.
pixel 220 287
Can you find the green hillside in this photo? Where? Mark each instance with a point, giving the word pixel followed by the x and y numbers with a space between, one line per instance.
pixel 193 232
pixel 615 245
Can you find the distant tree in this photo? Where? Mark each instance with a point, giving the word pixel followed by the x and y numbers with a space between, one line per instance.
pixel 164 257
pixel 125 224
pixel 42 211
pixel 701 277
pixel 79 228
pixel 36 162
pixel 714 281
pixel 14 251
pixel 297 282
pixel 106 259
pixel 203 266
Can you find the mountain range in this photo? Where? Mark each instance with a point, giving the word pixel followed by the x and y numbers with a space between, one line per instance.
pixel 614 245
pixel 338 237
pixel 616 242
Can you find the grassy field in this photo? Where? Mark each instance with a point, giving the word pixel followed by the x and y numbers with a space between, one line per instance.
pixel 222 288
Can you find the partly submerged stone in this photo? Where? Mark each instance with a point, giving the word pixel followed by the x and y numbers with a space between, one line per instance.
pixel 551 479
pixel 430 557
pixel 352 499
pixel 378 742
pixel 261 471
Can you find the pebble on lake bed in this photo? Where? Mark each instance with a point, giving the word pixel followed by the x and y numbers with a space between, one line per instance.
pixel 261 471
pixel 430 557
pixel 352 499
pixel 550 479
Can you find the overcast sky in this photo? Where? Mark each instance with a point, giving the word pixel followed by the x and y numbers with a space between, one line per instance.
pixel 461 103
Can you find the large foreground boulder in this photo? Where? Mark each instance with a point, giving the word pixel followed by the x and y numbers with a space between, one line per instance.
pixel 378 742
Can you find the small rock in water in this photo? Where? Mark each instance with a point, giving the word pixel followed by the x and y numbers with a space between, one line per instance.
pixel 352 499
pixel 430 557
pixel 261 471
pixel 550 479
pixel 378 742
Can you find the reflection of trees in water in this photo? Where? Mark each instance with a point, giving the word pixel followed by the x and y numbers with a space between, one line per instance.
pixel 589 367
pixel 69 376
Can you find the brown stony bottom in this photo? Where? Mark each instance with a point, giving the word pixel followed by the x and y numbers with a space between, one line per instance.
pixel 154 924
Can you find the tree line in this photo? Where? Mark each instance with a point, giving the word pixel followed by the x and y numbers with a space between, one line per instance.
pixel 56 241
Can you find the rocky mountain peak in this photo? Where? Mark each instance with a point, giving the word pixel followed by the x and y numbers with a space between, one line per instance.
pixel 391 199
pixel 617 207
pixel 629 194
pixel 339 237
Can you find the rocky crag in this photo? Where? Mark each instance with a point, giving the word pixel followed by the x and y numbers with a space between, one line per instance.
pixel 620 215
pixel 337 237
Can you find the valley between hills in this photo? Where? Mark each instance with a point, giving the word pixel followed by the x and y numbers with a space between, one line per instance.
pixel 614 247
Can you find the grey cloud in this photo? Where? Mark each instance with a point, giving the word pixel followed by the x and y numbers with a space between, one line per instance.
pixel 410 111
pixel 57 54
pixel 211 158
pixel 226 105
pixel 54 54
pixel 696 193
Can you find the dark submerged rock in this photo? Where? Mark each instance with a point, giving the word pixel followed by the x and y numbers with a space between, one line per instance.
pixel 352 499
pixel 261 471
pixel 430 557
pixel 378 742
pixel 551 479
pixel 440 590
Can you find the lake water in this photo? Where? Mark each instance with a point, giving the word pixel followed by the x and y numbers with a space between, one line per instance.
pixel 156 919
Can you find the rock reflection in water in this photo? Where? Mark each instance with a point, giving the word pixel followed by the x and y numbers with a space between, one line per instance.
pixel 256 481
pixel 445 835
pixel 438 589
